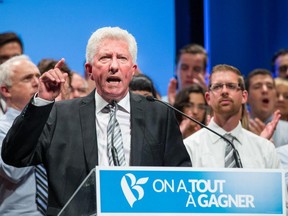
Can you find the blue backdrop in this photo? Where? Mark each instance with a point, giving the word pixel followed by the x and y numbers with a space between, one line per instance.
pixel 242 33
pixel 245 33
pixel 56 29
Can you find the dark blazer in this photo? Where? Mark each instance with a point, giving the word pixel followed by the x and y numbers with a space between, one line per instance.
pixel 62 136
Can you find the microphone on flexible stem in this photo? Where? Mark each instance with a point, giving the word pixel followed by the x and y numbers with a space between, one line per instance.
pixel 235 152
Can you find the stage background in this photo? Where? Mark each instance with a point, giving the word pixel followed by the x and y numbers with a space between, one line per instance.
pixel 243 33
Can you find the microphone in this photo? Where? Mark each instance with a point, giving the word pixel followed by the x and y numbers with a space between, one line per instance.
pixel 235 152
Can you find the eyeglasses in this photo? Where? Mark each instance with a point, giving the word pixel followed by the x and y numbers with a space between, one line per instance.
pixel 218 87
pixel 201 107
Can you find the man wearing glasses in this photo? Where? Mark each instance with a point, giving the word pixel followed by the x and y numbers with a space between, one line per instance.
pixel 225 96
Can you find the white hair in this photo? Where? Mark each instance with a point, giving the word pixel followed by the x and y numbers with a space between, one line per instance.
pixel 110 33
pixel 7 67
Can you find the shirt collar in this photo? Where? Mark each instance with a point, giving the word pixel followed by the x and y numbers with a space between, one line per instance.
pixel 269 119
pixel 124 103
pixel 236 132
pixel 12 113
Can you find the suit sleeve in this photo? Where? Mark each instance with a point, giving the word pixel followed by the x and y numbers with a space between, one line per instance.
pixel 175 151
pixel 11 173
pixel 19 145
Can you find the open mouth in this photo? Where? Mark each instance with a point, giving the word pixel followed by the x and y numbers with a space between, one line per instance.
pixel 113 79
pixel 265 100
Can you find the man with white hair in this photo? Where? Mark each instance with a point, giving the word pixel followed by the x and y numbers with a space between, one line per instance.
pixel 71 137
pixel 19 81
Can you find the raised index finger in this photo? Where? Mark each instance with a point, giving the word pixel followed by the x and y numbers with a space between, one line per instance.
pixel 60 63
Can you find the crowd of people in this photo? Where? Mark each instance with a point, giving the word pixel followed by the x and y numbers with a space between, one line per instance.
pixel 54 119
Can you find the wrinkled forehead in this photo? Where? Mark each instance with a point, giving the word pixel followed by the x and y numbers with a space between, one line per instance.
pixel 24 66
pixel 117 45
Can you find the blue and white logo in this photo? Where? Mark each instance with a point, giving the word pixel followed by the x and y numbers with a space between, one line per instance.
pixel 130 185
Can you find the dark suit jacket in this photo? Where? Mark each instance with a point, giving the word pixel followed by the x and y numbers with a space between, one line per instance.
pixel 66 143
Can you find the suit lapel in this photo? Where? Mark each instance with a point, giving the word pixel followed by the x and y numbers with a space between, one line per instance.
pixel 88 126
pixel 137 129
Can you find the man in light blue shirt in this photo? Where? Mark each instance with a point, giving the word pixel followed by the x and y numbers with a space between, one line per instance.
pixel 261 100
pixel 18 83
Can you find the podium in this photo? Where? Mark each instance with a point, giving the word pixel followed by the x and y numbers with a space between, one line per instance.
pixel 179 191
pixel 83 202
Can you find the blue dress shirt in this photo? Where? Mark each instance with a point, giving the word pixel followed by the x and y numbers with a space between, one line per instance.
pixel 17 185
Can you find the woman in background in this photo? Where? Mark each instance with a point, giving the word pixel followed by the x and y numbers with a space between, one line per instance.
pixel 191 101
pixel 142 84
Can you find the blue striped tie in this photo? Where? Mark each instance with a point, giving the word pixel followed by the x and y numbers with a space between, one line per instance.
pixel 115 143
pixel 41 189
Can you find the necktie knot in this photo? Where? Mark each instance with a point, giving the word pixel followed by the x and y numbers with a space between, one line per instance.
pixel 230 137
pixel 111 108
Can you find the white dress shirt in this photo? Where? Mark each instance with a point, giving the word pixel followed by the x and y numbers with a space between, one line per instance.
pixel 207 149
pixel 282 152
pixel 102 119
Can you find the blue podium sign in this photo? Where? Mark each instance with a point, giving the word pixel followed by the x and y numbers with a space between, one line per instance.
pixel 189 191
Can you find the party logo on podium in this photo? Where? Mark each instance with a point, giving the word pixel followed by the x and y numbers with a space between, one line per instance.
pixel 130 186
pixel 181 191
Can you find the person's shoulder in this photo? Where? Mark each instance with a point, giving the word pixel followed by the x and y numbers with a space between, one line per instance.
pixel 68 101
pixel 70 107
pixel 164 98
pixel 257 140
pixel 137 97
pixel 283 149
pixel 196 137
pixel 282 124
pixel 150 104
pixel 4 124
pixel 250 135
pixel 71 102
pixel 4 128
